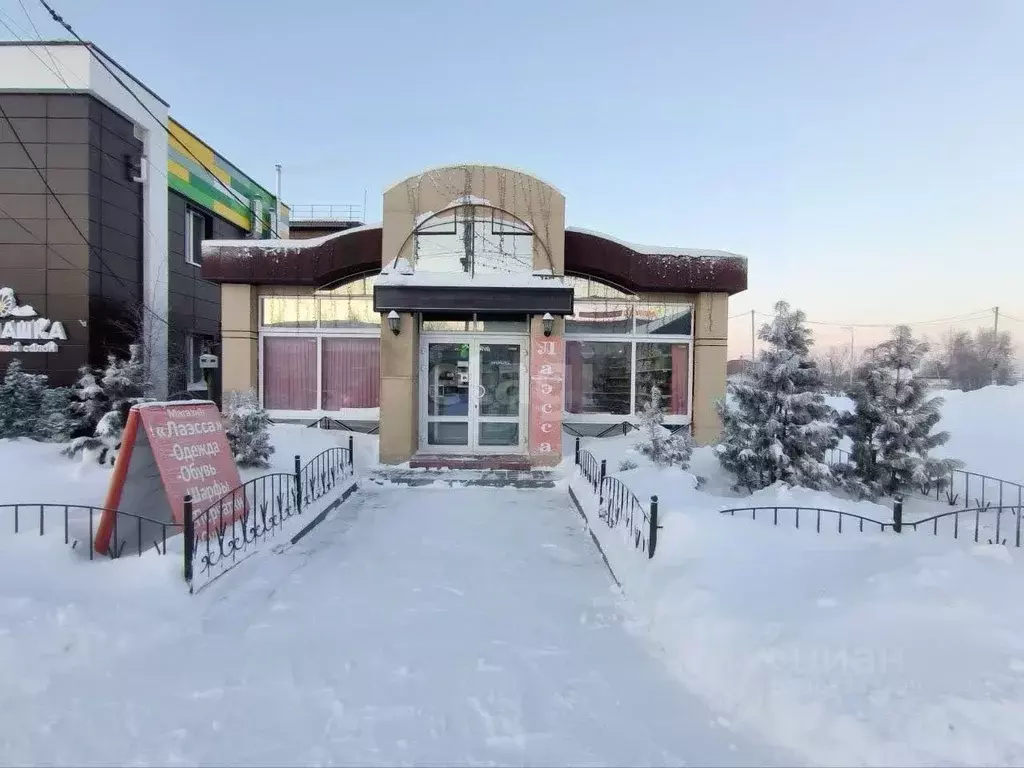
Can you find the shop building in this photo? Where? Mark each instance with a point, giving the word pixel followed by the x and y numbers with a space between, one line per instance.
pixel 104 203
pixel 473 324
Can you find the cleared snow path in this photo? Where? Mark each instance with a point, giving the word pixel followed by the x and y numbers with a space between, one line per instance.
pixel 422 626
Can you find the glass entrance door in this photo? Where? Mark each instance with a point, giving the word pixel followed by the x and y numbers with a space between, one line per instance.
pixel 471 395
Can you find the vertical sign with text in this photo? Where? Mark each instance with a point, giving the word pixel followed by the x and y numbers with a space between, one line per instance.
pixel 547 382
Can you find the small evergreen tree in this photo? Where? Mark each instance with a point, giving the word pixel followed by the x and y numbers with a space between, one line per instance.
pixel 121 386
pixel 780 427
pixel 55 420
pixel 248 430
pixel 21 399
pixel 892 422
pixel 88 403
pixel 664 448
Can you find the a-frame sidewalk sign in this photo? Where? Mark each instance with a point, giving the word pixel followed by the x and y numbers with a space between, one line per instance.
pixel 169 450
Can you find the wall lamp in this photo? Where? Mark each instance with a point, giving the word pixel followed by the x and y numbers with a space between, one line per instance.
pixel 549 323
pixel 394 322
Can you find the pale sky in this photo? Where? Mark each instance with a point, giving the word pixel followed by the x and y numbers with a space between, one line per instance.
pixel 866 156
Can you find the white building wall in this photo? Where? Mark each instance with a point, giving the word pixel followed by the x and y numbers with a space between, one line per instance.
pixel 60 68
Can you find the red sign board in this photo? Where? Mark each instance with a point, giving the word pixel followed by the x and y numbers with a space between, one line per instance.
pixel 170 450
pixel 547 384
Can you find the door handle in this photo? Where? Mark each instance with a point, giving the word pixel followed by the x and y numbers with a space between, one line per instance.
pixel 482 391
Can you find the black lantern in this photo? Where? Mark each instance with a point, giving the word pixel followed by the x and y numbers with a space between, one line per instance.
pixel 549 323
pixel 394 322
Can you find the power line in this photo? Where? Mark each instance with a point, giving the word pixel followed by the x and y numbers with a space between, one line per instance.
pixel 60 20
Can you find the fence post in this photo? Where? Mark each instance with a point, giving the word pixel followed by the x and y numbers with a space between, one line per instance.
pixel 190 538
pixel 653 541
pixel 351 454
pixel 577 450
pixel 298 484
pixel 897 513
pixel 600 483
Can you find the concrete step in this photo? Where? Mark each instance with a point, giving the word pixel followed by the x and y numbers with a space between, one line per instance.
pixel 492 478
pixel 506 462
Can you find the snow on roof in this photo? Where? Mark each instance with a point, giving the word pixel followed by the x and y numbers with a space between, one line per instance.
pixel 288 244
pixel 466 280
pixel 659 250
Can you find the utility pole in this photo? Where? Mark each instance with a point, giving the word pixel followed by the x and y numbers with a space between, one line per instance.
pixel 852 360
pixel 995 343
pixel 753 336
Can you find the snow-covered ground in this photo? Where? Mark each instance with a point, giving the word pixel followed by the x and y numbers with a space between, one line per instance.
pixel 848 649
pixel 417 627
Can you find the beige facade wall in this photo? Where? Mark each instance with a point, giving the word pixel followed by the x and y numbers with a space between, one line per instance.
pixel 535 202
pixel 399 391
pixel 710 354
pixel 239 319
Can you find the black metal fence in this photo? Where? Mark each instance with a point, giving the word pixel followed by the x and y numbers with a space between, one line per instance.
pixel 221 535
pixel 131 534
pixel 989 523
pixel 812 516
pixel 618 505
pixel 961 487
pixel 218 536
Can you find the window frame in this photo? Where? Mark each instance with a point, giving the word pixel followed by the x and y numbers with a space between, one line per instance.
pixel 318 332
pixel 633 338
pixel 191 215
pixel 192 367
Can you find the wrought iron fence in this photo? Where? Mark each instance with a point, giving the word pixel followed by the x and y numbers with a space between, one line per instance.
pixel 77 521
pixel 815 514
pixel 961 487
pixel 217 535
pixel 616 503
pixel 221 534
pixel 978 514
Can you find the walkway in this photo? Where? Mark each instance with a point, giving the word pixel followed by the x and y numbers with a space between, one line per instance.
pixel 470 626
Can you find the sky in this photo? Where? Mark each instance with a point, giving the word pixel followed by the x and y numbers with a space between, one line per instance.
pixel 866 157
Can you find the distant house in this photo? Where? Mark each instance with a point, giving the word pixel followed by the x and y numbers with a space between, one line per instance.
pixel 740 365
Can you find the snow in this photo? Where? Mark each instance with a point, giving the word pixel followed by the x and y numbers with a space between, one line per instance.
pixel 34 472
pixel 464 279
pixel 467 627
pixel 846 648
pixel 658 250
pixel 296 244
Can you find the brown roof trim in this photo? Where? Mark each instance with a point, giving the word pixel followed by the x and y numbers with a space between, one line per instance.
pixel 315 263
pixel 623 265
pixel 354 252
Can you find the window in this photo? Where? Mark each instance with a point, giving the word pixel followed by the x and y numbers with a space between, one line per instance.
pixel 597 377
pixel 194 347
pixel 321 351
pixel 618 346
pixel 196 230
pixel 478 322
pixel 473 239
pixel 289 373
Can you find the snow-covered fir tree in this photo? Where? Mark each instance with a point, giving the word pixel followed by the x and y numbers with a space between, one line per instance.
pixel 248 430
pixel 779 426
pixel 120 387
pixel 88 403
pixel 56 423
pixel 664 448
pixel 21 399
pixel 891 425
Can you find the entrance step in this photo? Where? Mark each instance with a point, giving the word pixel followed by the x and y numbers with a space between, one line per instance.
pixel 502 462
pixel 456 478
